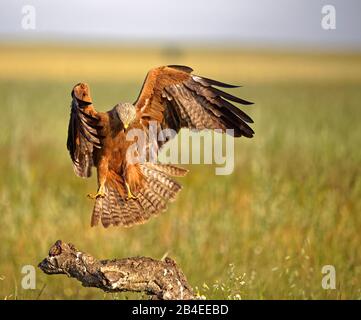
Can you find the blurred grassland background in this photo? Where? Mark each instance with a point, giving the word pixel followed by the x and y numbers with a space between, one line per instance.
pixel 291 206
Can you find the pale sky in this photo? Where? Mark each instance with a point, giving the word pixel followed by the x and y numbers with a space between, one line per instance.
pixel 233 22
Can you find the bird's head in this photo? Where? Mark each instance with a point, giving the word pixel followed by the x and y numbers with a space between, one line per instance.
pixel 82 93
pixel 126 113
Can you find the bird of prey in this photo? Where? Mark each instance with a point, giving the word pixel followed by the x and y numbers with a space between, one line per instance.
pixel 172 97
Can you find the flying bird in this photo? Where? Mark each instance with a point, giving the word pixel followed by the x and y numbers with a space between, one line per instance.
pixel 130 192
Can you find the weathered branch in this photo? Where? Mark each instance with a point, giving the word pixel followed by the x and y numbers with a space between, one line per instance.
pixel 160 279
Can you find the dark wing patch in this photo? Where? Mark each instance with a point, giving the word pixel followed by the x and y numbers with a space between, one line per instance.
pixel 82 137
pixel 181 68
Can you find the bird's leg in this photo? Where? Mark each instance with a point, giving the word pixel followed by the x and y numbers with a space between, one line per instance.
pixel 102 170
pixel 100 193
pixel 130 194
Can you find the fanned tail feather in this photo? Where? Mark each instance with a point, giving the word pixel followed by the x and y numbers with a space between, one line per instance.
pixel 152 199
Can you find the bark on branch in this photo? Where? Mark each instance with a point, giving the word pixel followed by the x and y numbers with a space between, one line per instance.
pixel 160 279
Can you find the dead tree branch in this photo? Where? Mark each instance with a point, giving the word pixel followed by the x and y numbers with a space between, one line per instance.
pixel 160 279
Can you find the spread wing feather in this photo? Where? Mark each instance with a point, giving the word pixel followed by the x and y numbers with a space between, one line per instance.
pixel 175 99
pixel 83 130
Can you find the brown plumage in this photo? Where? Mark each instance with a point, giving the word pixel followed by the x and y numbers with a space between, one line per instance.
pixel 172 97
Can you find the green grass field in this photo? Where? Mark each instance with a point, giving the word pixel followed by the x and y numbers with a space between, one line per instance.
pixel 291 206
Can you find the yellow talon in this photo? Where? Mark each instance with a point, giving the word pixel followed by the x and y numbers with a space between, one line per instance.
pixel 96 196
pixel 130 194
pixel 100 194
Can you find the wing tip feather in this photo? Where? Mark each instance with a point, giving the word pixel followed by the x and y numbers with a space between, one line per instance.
pixel 180 68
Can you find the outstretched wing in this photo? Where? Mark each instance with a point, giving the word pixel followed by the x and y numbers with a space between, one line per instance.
pixel 175 98
pixel 83 131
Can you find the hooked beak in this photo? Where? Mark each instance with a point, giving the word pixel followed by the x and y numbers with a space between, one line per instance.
pixel 126 126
